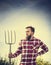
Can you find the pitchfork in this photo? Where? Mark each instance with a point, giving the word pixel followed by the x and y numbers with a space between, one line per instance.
pixel 9 40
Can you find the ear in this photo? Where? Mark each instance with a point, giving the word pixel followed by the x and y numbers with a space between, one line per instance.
pixel 32 33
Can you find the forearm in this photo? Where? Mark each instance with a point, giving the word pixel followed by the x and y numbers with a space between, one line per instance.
pixel 44 49
pixel 19 51
pixel 42 52
pixel 15 54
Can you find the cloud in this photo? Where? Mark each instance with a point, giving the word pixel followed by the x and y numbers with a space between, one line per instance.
pixel 39 4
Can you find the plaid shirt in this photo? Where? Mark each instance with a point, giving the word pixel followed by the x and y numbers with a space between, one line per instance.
pixel 29 51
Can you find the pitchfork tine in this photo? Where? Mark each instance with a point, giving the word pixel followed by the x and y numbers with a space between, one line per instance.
pixel 15 36
pixel 5 37
pixel 11 36
pixel 8 37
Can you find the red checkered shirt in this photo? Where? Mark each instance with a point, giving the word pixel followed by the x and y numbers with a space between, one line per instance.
pixel 29 51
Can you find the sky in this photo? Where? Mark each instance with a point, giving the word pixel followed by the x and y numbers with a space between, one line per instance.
pixel 17 14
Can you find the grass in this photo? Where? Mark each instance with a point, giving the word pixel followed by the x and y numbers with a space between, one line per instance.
pixel 42 62
pixel 39 62
pixel 5 62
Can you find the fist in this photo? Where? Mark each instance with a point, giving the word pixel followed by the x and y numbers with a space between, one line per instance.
pixel 10 55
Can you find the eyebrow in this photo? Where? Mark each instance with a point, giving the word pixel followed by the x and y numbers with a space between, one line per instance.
pixel 27 31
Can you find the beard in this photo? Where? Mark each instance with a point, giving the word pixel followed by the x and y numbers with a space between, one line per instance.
pixel 29 37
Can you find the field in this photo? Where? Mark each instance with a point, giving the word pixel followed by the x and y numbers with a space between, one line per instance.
pixel 39 62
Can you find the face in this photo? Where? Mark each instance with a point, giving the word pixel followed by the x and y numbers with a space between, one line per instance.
pixel 28 32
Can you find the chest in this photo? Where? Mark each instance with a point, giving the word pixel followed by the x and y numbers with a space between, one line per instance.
pixel 30 45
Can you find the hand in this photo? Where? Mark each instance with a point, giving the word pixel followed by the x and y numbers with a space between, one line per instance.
pixel 10 55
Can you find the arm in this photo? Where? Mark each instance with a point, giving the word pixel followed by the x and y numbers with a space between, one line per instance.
pixel 43 47
pixel 19 51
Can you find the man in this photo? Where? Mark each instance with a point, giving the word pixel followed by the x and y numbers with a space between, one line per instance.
pixel 29 48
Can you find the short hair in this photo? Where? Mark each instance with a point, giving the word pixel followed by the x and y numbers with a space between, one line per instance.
pixel 32 28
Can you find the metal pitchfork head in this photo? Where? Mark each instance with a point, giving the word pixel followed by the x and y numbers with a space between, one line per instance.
pixel 10 38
